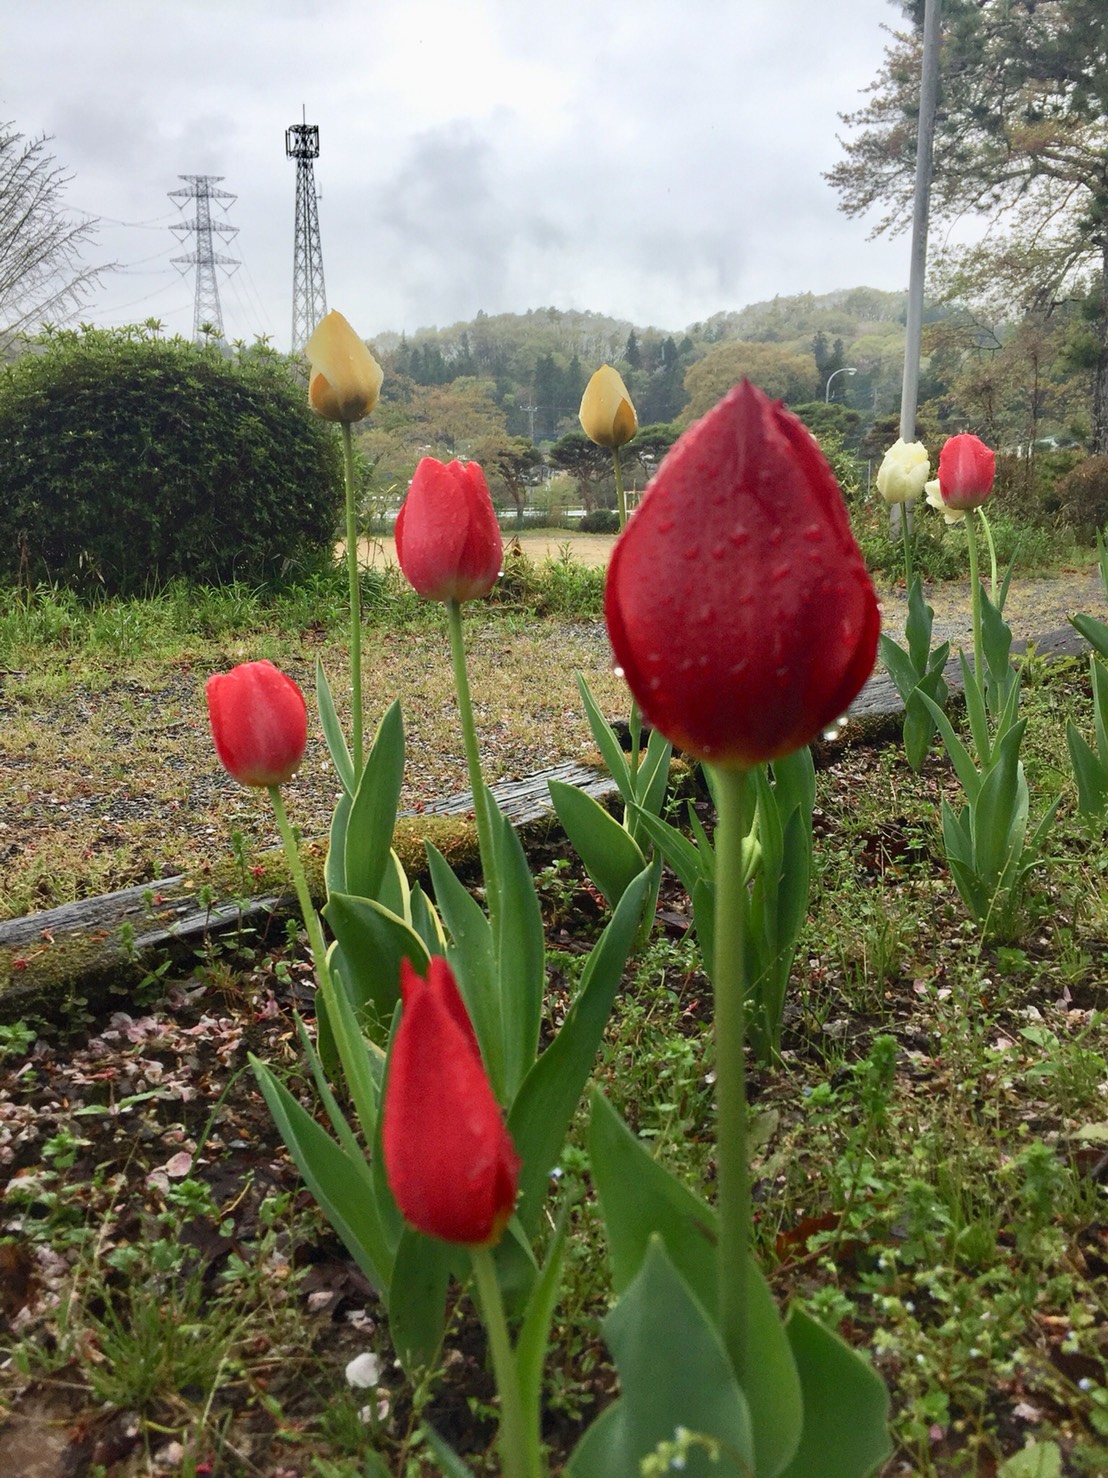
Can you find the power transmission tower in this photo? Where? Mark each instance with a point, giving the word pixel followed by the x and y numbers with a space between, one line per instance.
pixel 207 318
pixel 309 296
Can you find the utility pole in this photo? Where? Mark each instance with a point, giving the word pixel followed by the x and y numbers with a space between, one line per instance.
pixel 207 318
pixel 309 296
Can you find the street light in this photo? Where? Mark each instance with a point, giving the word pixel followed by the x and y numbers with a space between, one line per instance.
pixel 846 370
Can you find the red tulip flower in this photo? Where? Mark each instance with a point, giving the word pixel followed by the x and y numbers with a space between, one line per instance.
pixel 449 1158
pixel 259 723
pixel 447 537
pixel 738 603
pixel 966 471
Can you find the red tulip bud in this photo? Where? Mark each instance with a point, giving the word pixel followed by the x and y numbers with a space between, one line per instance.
pixel 259 723
pixel 449 1158
pixel 966 471
pixel 737 601
pixel 447 538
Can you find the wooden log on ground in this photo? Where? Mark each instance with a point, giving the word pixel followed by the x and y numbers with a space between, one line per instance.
pixel 83 953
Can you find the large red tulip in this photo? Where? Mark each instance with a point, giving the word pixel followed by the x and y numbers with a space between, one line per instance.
pixel 966 471
pixel 737 601
pixel 447 537
pixel 449 1158
pixel 259 723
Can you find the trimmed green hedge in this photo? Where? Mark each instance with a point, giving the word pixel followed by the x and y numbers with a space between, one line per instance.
pixel 127 461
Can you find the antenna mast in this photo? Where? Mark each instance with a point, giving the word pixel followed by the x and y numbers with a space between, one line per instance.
pixel 207 318
pixel 309 296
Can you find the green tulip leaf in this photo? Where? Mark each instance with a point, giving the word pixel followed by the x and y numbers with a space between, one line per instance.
pixel 447 1459
pixel 550 1092
pixel 1095 632
pixel 473 961
pixel 520 953
pixel 334 872
pixel 612 857
pixel 417 1299
pixel 373 812
pixel 606 741
pixel 369 944
pixel 332 731
pixel 676 1386
pixel 846 1405
pixel 641 1200
pixel 339 1182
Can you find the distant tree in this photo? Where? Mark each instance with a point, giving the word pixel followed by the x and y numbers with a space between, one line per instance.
pixel 510 462
pixel 1021 136
pixel 587 463
pixel 650 444
pixel 632 355
pixel 42 277
pixel 780 372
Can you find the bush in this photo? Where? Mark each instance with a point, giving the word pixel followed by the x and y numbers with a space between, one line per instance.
pixel 130 461
pixel 1083 498
pixel 599 521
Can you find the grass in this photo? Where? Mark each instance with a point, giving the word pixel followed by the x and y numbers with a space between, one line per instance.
pixel 929 1173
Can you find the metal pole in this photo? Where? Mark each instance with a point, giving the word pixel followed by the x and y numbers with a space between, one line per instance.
pixel 928 93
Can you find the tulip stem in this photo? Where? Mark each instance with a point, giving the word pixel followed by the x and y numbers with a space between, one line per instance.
pixel 520 1453
pixel 975 598
pixel 355 600
pixel 730 986
pixel 909 539
pixel 485 839
pixel 621 497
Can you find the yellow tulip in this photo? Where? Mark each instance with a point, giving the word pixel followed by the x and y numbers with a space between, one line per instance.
pixel 607 415
pixel 345 378
pixel 903 472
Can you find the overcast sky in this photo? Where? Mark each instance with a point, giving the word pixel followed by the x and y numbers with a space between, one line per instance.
pixel 658 160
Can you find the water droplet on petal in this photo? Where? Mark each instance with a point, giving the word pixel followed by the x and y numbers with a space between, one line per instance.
pixel 740 537
pixel 814 533
pixel 719 551
pixel 665 525
pixel 618 671
pixel 781 673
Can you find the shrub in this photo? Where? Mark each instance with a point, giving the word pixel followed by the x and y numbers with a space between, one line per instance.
pixel 599 521
pixel 130 461
pixel 1083 498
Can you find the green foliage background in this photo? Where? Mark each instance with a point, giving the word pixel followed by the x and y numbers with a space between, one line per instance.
pixel 129 461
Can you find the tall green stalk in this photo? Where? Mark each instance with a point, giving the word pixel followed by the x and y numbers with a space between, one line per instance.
pixel 520 1454
pixel 481 802
pixel 355 590
pixel 730 987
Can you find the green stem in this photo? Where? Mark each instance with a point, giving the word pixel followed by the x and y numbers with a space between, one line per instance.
pixel 473 761
pixel 300 882
pixel 355 600
pixel 520 1453
pixel 621 497
pixel 975 597
pixel 730 986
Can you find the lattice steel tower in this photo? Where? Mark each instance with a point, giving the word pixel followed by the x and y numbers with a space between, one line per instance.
pixel 309 296
pixel 207 314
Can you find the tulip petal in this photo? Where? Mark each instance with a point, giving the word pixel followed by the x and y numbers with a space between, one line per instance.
pixel 737 600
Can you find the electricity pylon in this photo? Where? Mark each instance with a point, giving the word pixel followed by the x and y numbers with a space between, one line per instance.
pixel 309 296
pixel 207 318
